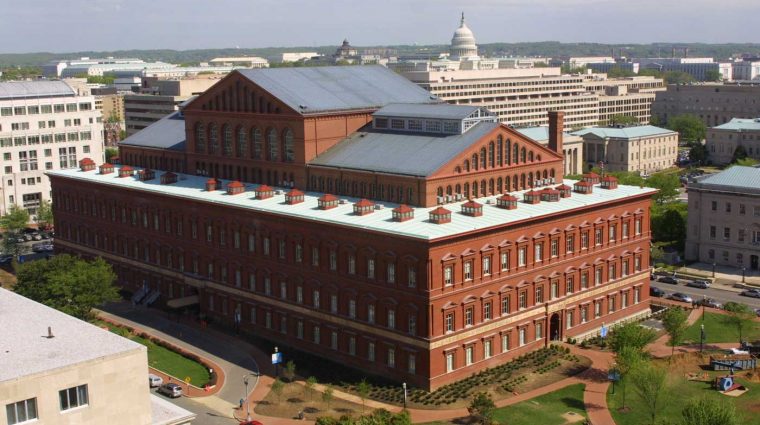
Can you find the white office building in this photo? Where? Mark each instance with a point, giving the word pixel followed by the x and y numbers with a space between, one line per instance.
pixel 44 125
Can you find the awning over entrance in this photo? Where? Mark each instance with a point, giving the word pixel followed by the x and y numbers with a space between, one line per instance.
pixel 183 302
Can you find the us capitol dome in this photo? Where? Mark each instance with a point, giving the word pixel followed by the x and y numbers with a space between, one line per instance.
pixel 463 43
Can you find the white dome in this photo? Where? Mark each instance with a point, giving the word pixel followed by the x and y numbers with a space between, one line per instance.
pixel 463 43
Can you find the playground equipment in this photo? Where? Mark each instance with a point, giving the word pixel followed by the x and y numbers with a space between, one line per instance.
pixel 733 362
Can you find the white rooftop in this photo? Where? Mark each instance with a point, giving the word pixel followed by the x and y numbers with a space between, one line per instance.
pixel 164 412
pixel 25 349
pixel 193 187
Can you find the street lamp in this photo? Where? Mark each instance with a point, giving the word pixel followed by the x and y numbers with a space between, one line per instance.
pixel 713 270
pixel 404 387
pixel 704 301
pixel 701 337
pixel 245 397
pixel 744 270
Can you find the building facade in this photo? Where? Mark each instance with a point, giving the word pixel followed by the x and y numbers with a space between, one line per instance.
pixel 724 219
pixel 714 104
pixel 572 147
pixel 44 126
pixel 60 370
pixel 723 140
pixel 645 149
pixel 404 253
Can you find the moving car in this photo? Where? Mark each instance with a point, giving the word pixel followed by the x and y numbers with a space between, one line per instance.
pixel 656 292
pixel 155 380
pixel 680 297
pixel 668 279
pixel 702 284
pixel 170 390
pixel 754 293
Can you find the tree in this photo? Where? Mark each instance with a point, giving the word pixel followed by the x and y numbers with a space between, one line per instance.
pixel 618 72
pixel 669 223
pixel 622 119
pixel 482 408
pixel 327 395
pixel 698 152
pixel 675 323
pixel 739 153
pixel 657 255
pixel 110 153
pixel 667 184
pixel 713 75
pixel 739 316
pixel 747 162
pixel 277 387
pixel 628 359
pixel 44 217
pixel 67 283
pixel 311 382
pixel 649 382
pixel 15 220
pixel 363 390
pixel 708 411
pixel 678 77
pixel 630 335
pixel 689 127
pixel 290 371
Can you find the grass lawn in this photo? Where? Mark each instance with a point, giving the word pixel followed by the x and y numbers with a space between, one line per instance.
pixel 679 392
pixel 545 410
pixel 166 360
pixel 717 331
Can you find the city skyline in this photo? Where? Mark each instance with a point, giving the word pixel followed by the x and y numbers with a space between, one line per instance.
pixel 171 24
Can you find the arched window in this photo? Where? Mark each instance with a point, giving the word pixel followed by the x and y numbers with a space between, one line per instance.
pixel 466 190
pixel 200 137
pixel 475 189
pixel 483 158
pixel 515 183
pixel 466 165
pixel 439 191
pixel 242 142
pixel 499 150
pixel 546 174
pixel 551 173
pixel 258 146
pixel 273 149
pixel 506 184
pixel 289 150
pixel 458 188
pixel 491 155
pixel 522 181
pixel 483 187
pixel 522 155
pixel 213 139
pixel 516 154
pixel 530 156
pixel 448 190
pixel 226 140
pixel 508 152
pixel 530 179
pixel 474 161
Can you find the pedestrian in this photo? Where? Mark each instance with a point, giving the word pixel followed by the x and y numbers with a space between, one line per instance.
pixel 241 403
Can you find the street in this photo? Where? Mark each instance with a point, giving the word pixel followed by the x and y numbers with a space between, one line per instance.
pixel 717 293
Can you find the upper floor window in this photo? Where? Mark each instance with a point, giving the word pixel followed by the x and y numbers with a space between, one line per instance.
pixel 273 148
pixel 289 150
pixel 21 411
pixel 73 397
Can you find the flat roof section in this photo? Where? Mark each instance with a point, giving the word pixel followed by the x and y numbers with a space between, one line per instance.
pixel 624 132
pixel 34 89
pixel 193 188
pixel 26 350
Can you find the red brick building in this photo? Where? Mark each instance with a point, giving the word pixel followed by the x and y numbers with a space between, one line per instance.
pixel 426 292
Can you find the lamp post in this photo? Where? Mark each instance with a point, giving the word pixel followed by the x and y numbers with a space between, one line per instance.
pixel 701 337
pixel 404 387
pixel 704 301
pixel 245 397
pixel 713 270
pixel 744 270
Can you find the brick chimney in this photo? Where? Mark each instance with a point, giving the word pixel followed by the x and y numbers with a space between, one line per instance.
pixel 556 127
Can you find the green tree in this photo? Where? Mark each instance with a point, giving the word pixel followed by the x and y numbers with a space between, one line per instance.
pixel 713 75
pixel 67 283
pixel 678 77
pixel 618 72
pixel 630 335
pixel 689 127
pixel 667 184
pixel 277 387
pixel 747 162
pixel 290 371
pixel 627 359
pixel 709 411
pixel 739 316
pixel 651 73
pixel 482 408
pixel 363 390
pixel 698 152
pixel 622 119
pixel 311 382
pixel 739 153
pixel 669 223
pixel 14 221
pixel 44 218
pixel 650 383
pixel 327 395
pixel 657 254
pixel 674 320
pixel 110 153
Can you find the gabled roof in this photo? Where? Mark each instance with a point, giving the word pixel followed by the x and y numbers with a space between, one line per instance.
pixel 312 90
pixel 739 177
pixel 166 133
pixel 442 111
pixel 623 133
pixel 34 89
pixel 400 153
pixel 741 124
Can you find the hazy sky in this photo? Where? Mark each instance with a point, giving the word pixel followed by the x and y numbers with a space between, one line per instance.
pixel 76 25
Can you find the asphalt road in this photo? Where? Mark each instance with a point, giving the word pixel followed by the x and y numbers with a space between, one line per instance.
pixel 717 293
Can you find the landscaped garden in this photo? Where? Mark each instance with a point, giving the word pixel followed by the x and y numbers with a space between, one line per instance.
pixel 164 359
pixel 560 407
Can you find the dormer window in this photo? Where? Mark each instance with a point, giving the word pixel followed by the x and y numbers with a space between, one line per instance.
pixel 403 213
pixel 609 182
pixel 472 208
pixel 327 201
pixel 584 187
pixel 564 190
pixel 440 215
pixel 293 197
pixel 364 207
pixel 106 168
pixel 507 202
pixel 168 178
pixel 235 188
pixel 550 195
pixel 126 171
pixel 532 197
pixel 264 192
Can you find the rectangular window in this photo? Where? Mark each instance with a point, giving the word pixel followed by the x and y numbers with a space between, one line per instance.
pixel 449 362
pixel 334 340
pixel 555 247
pixel 714 205
pixel 569 285
pixel 267 286
pixel 352 309
pixel 584 314
pixel 266 246
pixel 584 240
pixel 412 324
pixel 598 309
pixel 450 322
pixel 637 226
pixel 334 304
pixel 523 300
pixel 486 266
pixel 570 243
pixel 251 243
pixel 538 251
pixel 448 273
pixel 539 294
pixel 613 232
pixel 468 270
pixel 521 256
pixel 598 236
pixel 726 233
pixel 21 411
pixel 728 207
pixel 299 294
pixel 539 330
pixel 315 298
pixel 73 397
pixel 611 304
pixel 333 260
pixel 315 256
pixel 624 234
pixel 411 276
pixel 468 313
pixel 487 311
pixel 713 232
pixel 299 329
pixel 351 264
pixel 569 320
pixel 504 343
pixel 742 209
pixel 468 351
pixel 371 351
pixel 370 268
pixel 391 273
pixel 392 319
pixel 504 261
pixel 371 313
pixel 283 290
pixel 505 305
pixel 522 335
pixel 598 276
pixel 391 357
pixel 412 363
pixel 316 334
pixel 281 249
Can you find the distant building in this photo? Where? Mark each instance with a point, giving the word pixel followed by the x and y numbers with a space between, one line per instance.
pixel 56 68
pixel 629 96
pixel 59 370
pixel 714 104
pixel 747 70
pixel 294 57
pixel 722 140
pixel 44 125
pixel 609 66
pixel 696 67
pixel 723 213
pixel 645 148
pixel 572 147
pixel 244 61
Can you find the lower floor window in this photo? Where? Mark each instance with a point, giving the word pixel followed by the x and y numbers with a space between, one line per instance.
pixel 21 411
pixel 73 397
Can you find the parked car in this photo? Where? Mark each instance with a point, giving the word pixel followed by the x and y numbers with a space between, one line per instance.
pixel 754 293
pixel 155 380
pixel 36 237
pixel 757 311
pixel 709 302
pixel 668 279
pixel 5 259
pixel 656 292
pixel 681 297
pixel 170 390
pixel 701 284
pixel 27 237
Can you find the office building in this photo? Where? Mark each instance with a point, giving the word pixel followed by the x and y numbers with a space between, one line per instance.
pixel 714 104
pixel 645 148
pixel 724 209
pixel 44 125
pixel 59 370
pixel 699 68
pixel 375 228
pixel 723 140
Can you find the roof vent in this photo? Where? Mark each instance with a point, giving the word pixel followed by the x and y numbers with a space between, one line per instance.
pixel 364 207
pixel 106 168
pixel 564 190
pixel 264 192
pixel 591 177
pixel 168 178
pixel 403 213
pixel 609 182
pixel 472 208
pixel 146 174
pixel 50 333
pixel 440 215
pixel 532 197
pixel 126 171
pixel 293 197
pixel 87 164
pixel 550 195
pixel 327 201
pixel 235 187
pixel 211 185
pixel 507 202
pixel 584 187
